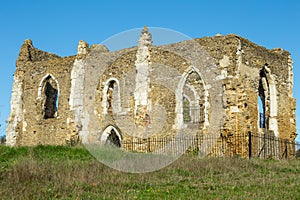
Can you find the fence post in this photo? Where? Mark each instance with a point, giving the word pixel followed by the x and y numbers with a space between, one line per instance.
pixel 249 144
pixel 286 149
pixel 265 148
pixel 149 143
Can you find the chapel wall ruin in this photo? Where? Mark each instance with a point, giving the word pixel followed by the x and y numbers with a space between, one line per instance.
pixel 80 98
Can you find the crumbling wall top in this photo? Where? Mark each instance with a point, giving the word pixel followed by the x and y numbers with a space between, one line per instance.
pixel 28 53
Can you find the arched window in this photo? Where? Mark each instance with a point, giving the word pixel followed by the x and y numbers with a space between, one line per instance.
pixel 48 93
pixel 267 101
pixel 261 111
pixel 191 109
pixel 111 97
pixel 261 100
pixel 111 86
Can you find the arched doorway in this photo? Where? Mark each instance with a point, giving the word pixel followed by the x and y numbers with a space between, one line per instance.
pixel 111 136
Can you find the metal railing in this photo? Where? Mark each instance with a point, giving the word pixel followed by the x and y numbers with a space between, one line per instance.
pixel 263 145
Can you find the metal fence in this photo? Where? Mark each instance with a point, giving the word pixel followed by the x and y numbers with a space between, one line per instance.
pixel 264 145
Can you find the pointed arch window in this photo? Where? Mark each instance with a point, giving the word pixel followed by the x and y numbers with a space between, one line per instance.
pixel 263 100
pixel 111 97
pixel 111 86
pixel 261 111
pixel 191 100
pixel 48 93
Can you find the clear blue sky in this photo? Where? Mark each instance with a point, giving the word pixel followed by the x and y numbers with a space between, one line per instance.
pixel 57 26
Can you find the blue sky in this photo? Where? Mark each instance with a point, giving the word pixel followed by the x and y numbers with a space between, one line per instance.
pixel 57 26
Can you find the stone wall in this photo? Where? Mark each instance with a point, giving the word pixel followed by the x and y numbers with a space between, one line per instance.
pixel 100 93
pixel 27 124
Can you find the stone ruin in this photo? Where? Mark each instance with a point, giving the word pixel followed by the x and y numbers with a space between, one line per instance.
pixel 221 85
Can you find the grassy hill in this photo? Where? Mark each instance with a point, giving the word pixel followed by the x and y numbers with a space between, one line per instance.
pixel 56 172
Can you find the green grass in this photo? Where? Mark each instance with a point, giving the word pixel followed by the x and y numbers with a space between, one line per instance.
pixel 57 172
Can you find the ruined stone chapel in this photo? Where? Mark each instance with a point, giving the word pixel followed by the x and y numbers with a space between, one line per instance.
pixel 220 85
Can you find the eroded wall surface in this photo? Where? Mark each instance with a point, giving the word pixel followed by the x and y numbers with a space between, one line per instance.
pixel 222 78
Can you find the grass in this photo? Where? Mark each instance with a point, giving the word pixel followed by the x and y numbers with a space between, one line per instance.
pixel 126 161
pixel 57 172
